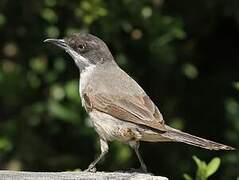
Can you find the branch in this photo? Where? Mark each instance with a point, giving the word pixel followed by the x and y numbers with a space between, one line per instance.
pixel 22 175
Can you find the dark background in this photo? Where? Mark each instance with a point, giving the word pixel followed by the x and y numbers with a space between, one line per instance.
pixel 185 54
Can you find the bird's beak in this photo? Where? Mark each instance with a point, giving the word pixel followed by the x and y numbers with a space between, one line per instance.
pixel 79 60
pixel 58 42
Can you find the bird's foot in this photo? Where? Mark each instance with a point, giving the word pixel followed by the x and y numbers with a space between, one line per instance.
pixel 143 168
pixel 91 169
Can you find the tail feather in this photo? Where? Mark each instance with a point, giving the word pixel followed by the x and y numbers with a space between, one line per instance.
pixel 179 136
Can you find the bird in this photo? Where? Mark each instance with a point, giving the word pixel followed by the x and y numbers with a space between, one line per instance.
pixel 118 107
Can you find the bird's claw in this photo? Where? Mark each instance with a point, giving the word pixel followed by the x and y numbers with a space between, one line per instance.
pixel 90 169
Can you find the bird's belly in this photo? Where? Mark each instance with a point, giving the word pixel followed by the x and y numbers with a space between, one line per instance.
pixel 110 128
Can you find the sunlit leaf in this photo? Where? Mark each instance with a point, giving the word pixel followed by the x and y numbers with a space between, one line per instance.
pixel 38 64
pixel 146 12
pixel 57 92
pixel 62 112
pixel 123 152
pixel 187 177
pixel 232 107
pixel 213 166
pixel 88 19
pixel 190 71
pixel 177 123
pixel 5 144
pixel 49 15
pixel 197 160
pixel 102 11
pixel 236 85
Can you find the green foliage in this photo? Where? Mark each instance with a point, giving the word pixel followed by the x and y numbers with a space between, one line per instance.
pixel 204 170
pixel 5 145
pixel 184 54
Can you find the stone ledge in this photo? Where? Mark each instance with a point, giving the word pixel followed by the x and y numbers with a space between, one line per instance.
pixel 24 175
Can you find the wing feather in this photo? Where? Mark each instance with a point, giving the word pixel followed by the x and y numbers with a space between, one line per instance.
pixel 136 109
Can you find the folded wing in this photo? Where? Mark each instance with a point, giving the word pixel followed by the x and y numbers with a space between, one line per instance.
pixel 138 109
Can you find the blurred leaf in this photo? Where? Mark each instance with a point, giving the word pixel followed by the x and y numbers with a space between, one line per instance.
pixel 123 154
pixel 62 112
pixel 38 64
pixel 2 20
pixel 5 144
pixel 187 177
pixel 50 3
pixel 236 85
pixel 49 15
pixel 71 89
pixel 198 161
pixel 177 123
pixel 88 19
pixel 57 92
pixel 204 170
pixel 86 5
pixel 52 32
pixel 146 12
pixel 51 76
pixel 33 79
pixel 91 10
pixel 121 59
pixel 59 64
pixel 190 71
pixel 213 166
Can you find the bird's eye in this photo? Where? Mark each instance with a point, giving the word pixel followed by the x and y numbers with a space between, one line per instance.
pixel 81 47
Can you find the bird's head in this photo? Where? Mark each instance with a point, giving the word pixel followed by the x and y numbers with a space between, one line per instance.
pixel 85 49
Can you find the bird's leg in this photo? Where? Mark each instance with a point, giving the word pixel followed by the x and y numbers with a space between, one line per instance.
pixel 135 146
pixel 104 149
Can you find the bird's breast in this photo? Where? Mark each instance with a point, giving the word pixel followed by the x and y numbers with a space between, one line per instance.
pixel 111 128
pixel 85 78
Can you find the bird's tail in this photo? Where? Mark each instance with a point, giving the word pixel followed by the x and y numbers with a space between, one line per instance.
pixel 179 136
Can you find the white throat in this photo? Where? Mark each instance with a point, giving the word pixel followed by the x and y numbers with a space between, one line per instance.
pixel 84 78
pixel 80 61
